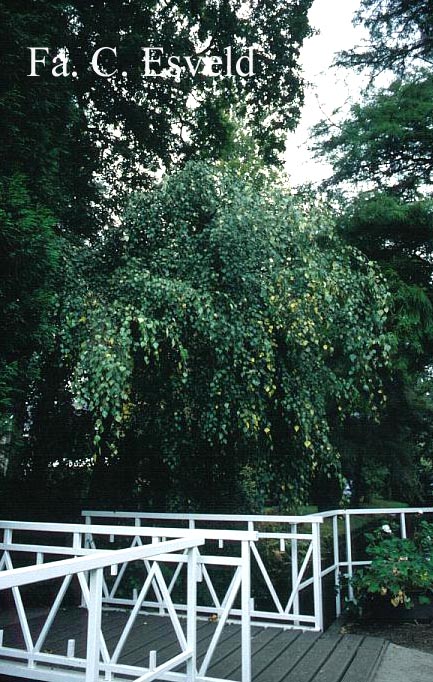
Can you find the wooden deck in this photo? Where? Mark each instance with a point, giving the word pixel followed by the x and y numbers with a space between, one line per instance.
pixel 278 655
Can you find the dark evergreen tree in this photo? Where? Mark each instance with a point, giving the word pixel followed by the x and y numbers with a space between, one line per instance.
pixel 400 34
pixel 383 148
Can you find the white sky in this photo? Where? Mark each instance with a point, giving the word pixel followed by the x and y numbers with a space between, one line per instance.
pixel 330 88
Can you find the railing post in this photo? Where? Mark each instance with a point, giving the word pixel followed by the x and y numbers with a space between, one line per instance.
pixel 246 606
pixel 88 536
pixel 336 549
pixel 94 625
pixel 349 553
pixel 295 569
pixel 158 595
pixel 7 536
pixel 403 525
pixel 191 614
pixel 317 576
pixel 76 544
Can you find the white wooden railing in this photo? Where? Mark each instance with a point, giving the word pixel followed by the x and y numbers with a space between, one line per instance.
pixel 318 545
pixel 344 558
pixel 57 539
pixel 32 662
pixel 291 539
pixel 220 559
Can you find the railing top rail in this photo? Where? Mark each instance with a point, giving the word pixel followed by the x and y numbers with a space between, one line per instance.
pixel 377 510
pixel 131 531
pixel 58 569
pixel 317 517
pixel 241 518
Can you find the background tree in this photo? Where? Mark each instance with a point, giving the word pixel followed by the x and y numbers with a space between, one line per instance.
pixel 398 235
pixel 28 263
pixel 73 149
pixel 385 142
pixel 383 150
pixel 154 117
pixel 400 33
pixel 87 140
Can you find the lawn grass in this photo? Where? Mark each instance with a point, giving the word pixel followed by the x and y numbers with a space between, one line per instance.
pixel 374 503
pixel 379 503
pixel 357 522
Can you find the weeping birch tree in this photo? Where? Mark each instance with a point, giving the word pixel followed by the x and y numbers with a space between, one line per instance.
pixel 217 340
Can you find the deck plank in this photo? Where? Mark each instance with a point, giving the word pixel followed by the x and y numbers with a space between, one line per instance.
pixel 225 653
pixel 290 652
pixel 167 645
pixel 334 669
pixel 264 658
pixel 72 624
pixel 147 634
pixel 320 652
pixel 260 641
pixel 277 655
pixel 366 659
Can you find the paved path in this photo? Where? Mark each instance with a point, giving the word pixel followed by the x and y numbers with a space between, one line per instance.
pixel 400 664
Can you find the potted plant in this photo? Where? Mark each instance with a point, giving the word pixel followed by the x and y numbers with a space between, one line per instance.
pixel 398 584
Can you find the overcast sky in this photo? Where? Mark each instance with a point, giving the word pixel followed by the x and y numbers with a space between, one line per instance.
pixel 330 88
